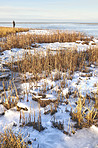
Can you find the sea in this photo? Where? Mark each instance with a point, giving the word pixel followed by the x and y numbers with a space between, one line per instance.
pixel 87 28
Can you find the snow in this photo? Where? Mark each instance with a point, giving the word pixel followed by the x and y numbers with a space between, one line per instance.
pixel 38 32
pixel 85 138
pixel 95 40
pixel 21 105
pixel 2 109
pixel 51 137
pixel 12 55
pixel 7 120
pixel 51 97
pixel 65 91
pixel 10 125
pixel 66 45
pixel 16 54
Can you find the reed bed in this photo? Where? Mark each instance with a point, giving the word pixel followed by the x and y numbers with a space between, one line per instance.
pixel 26 40
pixel 66 60
pixel 12 98
pixel 5 31
pixel 42 65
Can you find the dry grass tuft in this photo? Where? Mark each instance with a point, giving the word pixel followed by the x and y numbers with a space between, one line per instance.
pixel 5 31
pixel 8 139
pixel 84 117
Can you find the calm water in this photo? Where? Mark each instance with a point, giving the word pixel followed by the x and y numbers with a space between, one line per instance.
pixel 90 29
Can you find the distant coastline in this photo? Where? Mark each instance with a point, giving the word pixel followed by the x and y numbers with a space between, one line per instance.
pixel 88 23
pixel 90 28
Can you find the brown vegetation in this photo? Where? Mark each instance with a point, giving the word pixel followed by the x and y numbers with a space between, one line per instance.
pixel 84 117
pixel 40 64
pixel 26 40
pixel 5 31
pixel 66 60
pixel 8 139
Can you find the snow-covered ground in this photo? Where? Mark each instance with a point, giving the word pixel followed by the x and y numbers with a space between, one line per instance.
pixel 66 45
pixel 50 137
pixel 44 31
pixel 17 54
pixel 39 32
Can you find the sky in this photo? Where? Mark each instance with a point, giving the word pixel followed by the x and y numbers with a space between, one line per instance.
pixel 49 10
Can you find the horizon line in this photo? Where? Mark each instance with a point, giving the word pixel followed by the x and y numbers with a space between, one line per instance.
pixel 47 22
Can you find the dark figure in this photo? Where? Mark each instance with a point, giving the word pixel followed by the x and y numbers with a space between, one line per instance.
pixel 13 24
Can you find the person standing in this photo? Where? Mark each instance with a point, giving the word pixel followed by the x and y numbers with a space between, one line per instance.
pixel 13 24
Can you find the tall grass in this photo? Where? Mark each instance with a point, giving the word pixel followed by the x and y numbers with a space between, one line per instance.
pixel 84 118
pixel 26 40
pixel 9 139
pixel 66 60
pixel 5 31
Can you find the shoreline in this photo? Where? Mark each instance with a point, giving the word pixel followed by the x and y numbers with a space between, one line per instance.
pixel 88 23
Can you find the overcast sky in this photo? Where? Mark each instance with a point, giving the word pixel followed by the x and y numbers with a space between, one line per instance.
pixel 49 10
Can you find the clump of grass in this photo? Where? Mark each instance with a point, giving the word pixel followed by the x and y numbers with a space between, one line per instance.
pixel 58 125
pixel 84 118
pixel 5 31
pixel 26 40
pixel 52 110
pixel 67 60
pixel 31 120
pixel 9 100
pixel 9 139
pixel 77 115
